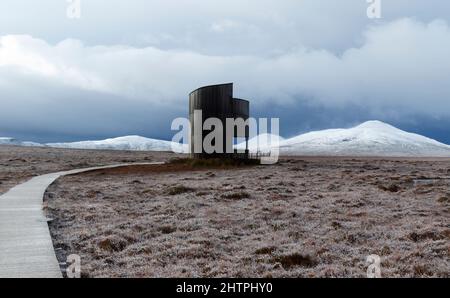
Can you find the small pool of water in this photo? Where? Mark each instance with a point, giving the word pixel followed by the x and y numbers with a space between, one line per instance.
pixel 432 181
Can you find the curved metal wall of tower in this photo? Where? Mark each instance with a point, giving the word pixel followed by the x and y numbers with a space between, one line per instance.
pixel 215 101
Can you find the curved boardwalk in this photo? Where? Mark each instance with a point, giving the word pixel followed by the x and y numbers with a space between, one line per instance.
pixel 26 248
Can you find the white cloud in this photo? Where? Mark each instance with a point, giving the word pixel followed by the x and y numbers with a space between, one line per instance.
pixel 405 63
pixel 224 25
pixel 278 26
pixel 31 56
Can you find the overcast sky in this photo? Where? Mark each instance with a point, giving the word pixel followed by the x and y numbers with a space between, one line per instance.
pixel 127 67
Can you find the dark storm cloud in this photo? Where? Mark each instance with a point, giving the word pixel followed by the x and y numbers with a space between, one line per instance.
pixel 51 112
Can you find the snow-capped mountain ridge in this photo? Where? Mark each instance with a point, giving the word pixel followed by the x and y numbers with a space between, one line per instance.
pixel 133 143
pixel 376 131
pixel 15 142
pixel 372 138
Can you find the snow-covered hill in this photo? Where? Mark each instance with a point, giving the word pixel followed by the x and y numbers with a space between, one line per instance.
pixel 261 143
pixel 134 143
pixel 372 138
pixel 14 142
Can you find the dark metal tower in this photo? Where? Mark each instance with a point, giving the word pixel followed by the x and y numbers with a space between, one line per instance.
pixel 217 101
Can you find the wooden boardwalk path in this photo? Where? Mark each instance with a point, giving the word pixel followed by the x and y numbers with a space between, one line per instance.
pixel 26 248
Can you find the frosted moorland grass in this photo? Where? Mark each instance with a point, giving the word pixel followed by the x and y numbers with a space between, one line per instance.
pixel 18 164
pixel 310 217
